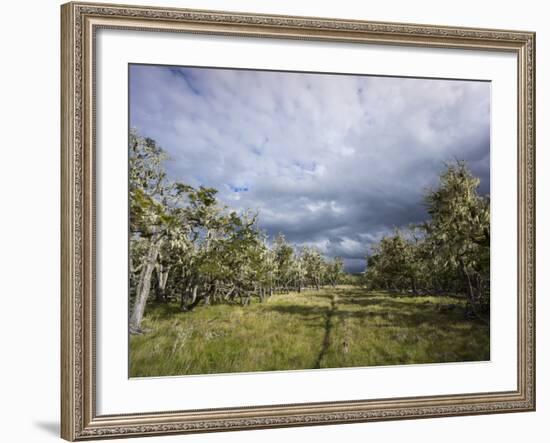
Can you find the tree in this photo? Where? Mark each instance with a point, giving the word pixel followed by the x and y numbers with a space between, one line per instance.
pixel 335 271
pixel 147 190
pixel 283 255
pixel 460 230
pixel 156 215
pixel 394 263
pixel 314 266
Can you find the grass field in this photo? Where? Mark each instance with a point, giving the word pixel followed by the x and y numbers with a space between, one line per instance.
pixel 337 327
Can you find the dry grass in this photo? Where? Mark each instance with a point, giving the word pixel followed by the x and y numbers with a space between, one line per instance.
pixel 330 328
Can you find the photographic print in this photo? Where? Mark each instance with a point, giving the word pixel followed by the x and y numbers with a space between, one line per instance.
pixel 301 221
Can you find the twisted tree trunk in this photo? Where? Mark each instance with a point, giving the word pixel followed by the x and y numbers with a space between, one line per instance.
pixel 162 277
pixel 144 285
pixel 472 297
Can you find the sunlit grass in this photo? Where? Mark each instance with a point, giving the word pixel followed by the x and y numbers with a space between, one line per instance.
pixel 336 327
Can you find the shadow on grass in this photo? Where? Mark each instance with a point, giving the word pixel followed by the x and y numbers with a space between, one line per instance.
pixel 385 309
pixel 385 312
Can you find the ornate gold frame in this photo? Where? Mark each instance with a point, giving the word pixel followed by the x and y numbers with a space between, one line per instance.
pixel 79 22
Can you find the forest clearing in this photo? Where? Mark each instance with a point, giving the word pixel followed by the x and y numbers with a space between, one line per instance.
pixel 211 292
pixel 334 327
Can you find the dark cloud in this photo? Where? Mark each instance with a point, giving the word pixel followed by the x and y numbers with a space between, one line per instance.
pixel 329 160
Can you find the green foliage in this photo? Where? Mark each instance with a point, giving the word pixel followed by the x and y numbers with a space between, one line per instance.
pixel 395 263
pixel 460 230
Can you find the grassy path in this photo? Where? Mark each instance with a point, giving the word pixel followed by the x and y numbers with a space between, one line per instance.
pixel 328 328
pixel 333 327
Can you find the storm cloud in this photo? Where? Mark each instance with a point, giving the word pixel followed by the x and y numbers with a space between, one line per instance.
pixel 335 161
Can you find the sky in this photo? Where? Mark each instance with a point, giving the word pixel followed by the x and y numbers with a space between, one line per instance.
pixel 329 160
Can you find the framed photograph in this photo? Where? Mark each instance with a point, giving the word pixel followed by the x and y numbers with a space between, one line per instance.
pixel 277 221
